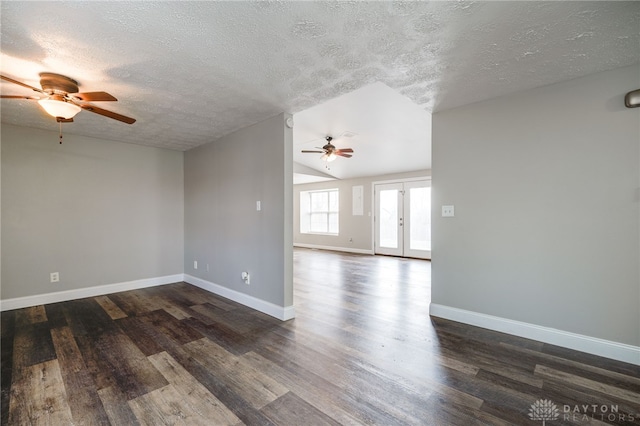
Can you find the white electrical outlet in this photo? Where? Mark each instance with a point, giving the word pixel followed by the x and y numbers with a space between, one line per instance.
pixel 195 264
pixel 246 278
pixel 55 277
pixel 448 211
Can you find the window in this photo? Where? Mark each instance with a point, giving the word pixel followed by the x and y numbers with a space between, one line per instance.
pixel 319 212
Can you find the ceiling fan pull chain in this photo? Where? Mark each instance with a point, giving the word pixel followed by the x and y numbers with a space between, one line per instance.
pixel 60 122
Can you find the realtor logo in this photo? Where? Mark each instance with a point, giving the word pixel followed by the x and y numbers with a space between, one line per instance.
pixel 545 410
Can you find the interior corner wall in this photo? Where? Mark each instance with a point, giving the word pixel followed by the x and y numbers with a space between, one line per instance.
pixel 545 185
pixel 224 232
pixel 356 232
pixel 96 211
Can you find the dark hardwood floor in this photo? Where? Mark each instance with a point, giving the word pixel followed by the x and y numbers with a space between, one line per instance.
pixel 362 350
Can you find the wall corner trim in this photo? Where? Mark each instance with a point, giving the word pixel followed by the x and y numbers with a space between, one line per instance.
pixel 282 313
pixel 579 342
pixel 80 293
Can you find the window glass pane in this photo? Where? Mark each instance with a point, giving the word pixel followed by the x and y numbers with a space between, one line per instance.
pixel 319 201
pixel 333 201
pixel 333 223
pixel 318 222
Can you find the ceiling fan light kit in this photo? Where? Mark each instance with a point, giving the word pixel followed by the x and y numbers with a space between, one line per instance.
pixel 59 108
pixel 329 157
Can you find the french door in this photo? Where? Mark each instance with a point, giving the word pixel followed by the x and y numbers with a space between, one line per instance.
pixel 403 219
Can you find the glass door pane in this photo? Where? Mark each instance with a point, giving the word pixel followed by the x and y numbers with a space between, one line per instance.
pixel 417 219
pixel 388 218
pixel 420 211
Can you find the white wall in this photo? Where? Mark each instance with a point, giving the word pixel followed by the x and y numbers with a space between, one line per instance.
pixel 223 229
pixel 358 228
pixel 545 187
pixel 98 212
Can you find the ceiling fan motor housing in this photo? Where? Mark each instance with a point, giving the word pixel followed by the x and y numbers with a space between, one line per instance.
pixel 57 84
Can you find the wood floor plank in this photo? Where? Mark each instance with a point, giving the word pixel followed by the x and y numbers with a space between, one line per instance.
pixel 203 405
pixel 361 350
pixel 177 330
pixel 109 307
pixel 599 374
pixel 218 387
pixel 86 317
pixel 56 314
pixel 290 408
pixel 162 407
pixel 616 392
pixel 384 393
pixel 38 397
pixel 117 407
pixel 8 326
pixel 32 344
pixel 364 409
pixel 132 372
pixel 31 315
pixel 321 395
pixel 252 385
pixel 86 407
pixel 143 335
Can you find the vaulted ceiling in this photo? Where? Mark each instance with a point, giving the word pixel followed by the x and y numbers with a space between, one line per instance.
pixel 191 72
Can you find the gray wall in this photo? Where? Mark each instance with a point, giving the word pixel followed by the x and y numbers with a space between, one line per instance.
pixel 545 187
pixel 359 228
pixel 96 211
pixel 223 181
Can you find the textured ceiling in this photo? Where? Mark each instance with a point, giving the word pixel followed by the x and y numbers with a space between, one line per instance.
pixel 191 72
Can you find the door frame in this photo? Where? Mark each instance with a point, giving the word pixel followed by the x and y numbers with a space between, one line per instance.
pixel 373 202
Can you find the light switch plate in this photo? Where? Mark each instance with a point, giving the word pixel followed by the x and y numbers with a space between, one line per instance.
pixel 448 211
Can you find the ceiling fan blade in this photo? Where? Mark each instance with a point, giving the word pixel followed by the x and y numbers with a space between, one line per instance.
pixel 93 97
pixel 109 114
pixel 19 83
pixel 345 150
pixel 19 97
pixel 317 152
pixel 343 155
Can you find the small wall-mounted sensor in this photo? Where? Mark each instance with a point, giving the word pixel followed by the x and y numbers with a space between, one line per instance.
pixel 632 99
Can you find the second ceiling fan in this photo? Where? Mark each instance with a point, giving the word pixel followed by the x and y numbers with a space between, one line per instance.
pixel 330 152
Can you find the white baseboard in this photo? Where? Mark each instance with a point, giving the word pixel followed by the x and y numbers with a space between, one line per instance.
pixel 578 342
pixel 282 313
pixel 63 296
pixel 342 249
